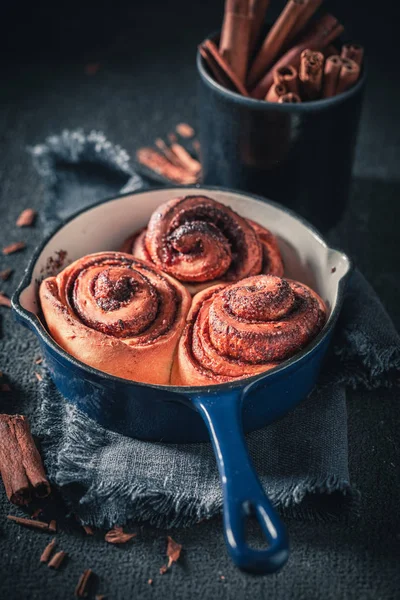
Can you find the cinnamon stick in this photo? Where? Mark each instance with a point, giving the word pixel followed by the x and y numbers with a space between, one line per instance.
pixel 275 92
pixel 81 590
pixel 160 164
pixel 218 74
pixel 26 218
pixel 288 76
pixel 258 9
pixel 275 39
pixel 353 52
pixel 310 73
pixel 348 75
pixel 5 274
pixel 5 300
pixel 235 36
pixel 303 20
pixel 191 164
pixel 57 559
pixel 30 523
pixel 48 551
pixel 289 98
pixel 333 64
pixel 185 130
pixel 14 247
pixel 321 34
pixel 20 464
pixel 212 50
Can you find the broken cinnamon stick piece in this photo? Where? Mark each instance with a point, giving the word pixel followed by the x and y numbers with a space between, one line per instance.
pixel 118 536
pixel 235 36
pixel 26 218
pixel 333 64
pixel 21 466
pixel 57 559
pixel 81 590
pixel 353 52
pixel 155 161
pixel 212 49
pixel 289 77
pixel 185 130
pixel 348 75
pixel 29 523
pixel 5 274
pixel 275 92
pixel 5 300
pixel 310 73
pixel 275 39
pixel 189 163
pixel 88 530
pixel 48 551
pixel 14 247
pixel 289 98
pixel 53 526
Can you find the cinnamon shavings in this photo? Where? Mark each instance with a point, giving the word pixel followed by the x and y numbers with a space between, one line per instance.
pixel 81 590
pixel 5 274
pixel 14 247
pixel 5 300
pixel 38 376
pixel 173 553
pixel 26 218
pixel 118 536
pixel 39 360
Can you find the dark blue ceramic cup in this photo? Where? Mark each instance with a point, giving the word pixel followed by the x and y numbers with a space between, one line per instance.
pixel 300 155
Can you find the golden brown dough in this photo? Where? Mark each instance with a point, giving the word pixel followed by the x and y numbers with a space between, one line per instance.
pixel 117 314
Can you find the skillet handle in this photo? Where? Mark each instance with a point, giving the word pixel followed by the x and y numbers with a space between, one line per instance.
pixel 243 494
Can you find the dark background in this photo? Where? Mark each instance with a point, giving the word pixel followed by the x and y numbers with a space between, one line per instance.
pixel 145 85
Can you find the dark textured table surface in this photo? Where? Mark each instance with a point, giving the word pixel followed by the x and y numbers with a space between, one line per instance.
pixel 145 85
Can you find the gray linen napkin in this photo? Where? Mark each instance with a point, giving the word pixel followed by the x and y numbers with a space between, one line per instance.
pixel 302 460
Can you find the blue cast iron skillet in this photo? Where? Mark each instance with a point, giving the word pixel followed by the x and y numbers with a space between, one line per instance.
pixel 192 414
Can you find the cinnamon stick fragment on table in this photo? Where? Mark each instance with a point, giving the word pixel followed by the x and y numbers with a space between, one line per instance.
pixel 21 466
pixel 14 247
pixel 353 52
pixel 48 551
pixel 349 73
pixel 56 561
pixel 333 64
pixel 275 39
pixel 81 590
pixel 30 523
pixel 5 300
pixel 173 553
pixel 118 536
pixel 235 36
pixel 160 164
pixel 288 76
pixel 275 92
pixel 214 57
pixel 310 73
pixel 5 274
pixel 26 218
pixel 321 34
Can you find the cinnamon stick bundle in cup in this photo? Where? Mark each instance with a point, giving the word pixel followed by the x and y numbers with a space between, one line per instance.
pixel 235 36
pixel 21 467
pixel 321 34
pixel 349 73
pixel 333 64
pixel 275 39
pixel 310 74
pixel 212 56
